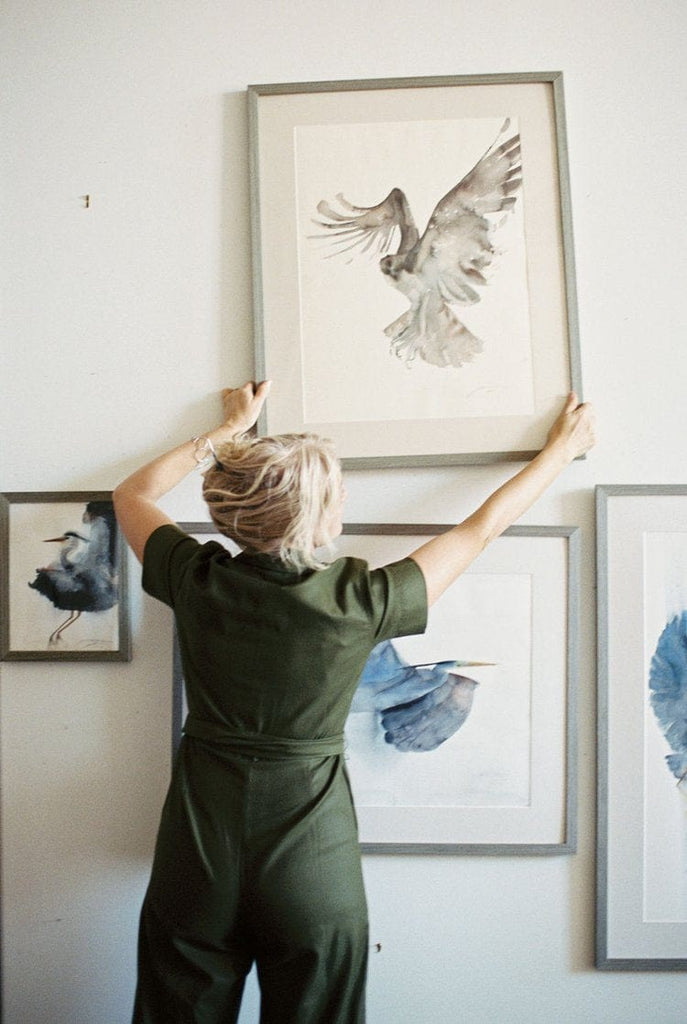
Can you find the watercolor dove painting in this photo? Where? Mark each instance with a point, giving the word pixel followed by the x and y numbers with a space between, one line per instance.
pixel 444 267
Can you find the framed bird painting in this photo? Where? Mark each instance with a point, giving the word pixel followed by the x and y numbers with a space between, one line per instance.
pixel 414 284
pixel 63 585
pixel 642 736
pixel 462 740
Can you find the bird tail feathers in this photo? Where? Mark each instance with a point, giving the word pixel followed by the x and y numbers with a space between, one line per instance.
pixel 434 332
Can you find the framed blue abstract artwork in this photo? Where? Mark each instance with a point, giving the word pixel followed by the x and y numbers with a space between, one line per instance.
pixel 463 739
pixel 642 737
pixel 414 286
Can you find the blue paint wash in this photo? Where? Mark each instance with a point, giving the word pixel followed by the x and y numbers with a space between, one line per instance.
pixel 668 691
pixel 421 706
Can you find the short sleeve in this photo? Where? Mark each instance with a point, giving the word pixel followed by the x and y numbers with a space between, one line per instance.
pixel 166 554
pixel 403 592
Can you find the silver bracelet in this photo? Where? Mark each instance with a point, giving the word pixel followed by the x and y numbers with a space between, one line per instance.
pixel 203 448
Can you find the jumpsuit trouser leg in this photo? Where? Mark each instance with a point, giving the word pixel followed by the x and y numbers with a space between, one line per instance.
pixel 257 860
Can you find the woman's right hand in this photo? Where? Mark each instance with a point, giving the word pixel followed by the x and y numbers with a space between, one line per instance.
pixel 574 430
pixel 242 406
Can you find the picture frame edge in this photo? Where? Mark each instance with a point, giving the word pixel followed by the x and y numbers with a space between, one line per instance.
pixel 603 494
pixel 555 80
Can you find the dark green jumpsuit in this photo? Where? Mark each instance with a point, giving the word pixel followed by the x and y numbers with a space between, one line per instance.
pixel 257 856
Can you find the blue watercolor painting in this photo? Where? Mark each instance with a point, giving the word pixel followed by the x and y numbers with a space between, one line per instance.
pixel 668 692
pixel 420 706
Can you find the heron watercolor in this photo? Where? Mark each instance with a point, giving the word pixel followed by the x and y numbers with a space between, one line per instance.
pixel 445 266
pixel 83 576
pixel 420 706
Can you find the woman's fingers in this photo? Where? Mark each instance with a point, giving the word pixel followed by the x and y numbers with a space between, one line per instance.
pixel 242 405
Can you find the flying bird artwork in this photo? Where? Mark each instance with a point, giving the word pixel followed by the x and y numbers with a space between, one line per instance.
pixel 668 692
pixel 447 265
pixel 420 706
pixel 83 576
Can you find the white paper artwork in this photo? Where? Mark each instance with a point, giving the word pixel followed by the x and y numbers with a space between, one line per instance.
pixel 352 370
pixel 62 577
pixel 484 617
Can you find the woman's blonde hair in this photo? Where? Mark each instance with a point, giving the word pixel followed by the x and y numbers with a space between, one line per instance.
pixel 275 494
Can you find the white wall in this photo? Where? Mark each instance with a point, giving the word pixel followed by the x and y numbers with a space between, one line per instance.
pixel 121 322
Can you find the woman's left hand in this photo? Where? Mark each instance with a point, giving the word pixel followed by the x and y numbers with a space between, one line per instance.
pixel 574 430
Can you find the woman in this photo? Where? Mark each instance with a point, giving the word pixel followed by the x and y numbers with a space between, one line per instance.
pixel 257 857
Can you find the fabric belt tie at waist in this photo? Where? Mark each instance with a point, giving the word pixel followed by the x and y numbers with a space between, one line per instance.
pixel 261 745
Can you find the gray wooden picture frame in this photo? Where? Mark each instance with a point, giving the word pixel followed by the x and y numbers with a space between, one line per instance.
pixel 94 591
pixel 566 811
pixel 630 935
pixel 451 438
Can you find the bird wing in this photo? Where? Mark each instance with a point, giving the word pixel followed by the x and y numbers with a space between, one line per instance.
pixel 456 247
pixel 388 680
pixel 64 588
pixel 101 555
pixel 368 227
pixel 420 705
pixel 492 183
pixel 426 723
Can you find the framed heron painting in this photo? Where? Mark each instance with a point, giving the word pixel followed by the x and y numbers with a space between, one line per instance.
pixel 63 586
pixel 463 739
pixel 642 737
pixel 414 284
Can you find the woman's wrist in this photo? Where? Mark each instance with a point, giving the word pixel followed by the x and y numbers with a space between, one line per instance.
pixel 559 451
pixel 204 450
pixel 224 434
pixel 205 445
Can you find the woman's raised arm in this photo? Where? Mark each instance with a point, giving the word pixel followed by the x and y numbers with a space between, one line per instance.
pixel 445 557
pixel 136 498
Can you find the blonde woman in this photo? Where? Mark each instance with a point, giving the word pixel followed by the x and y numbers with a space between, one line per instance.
pixel 257 857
